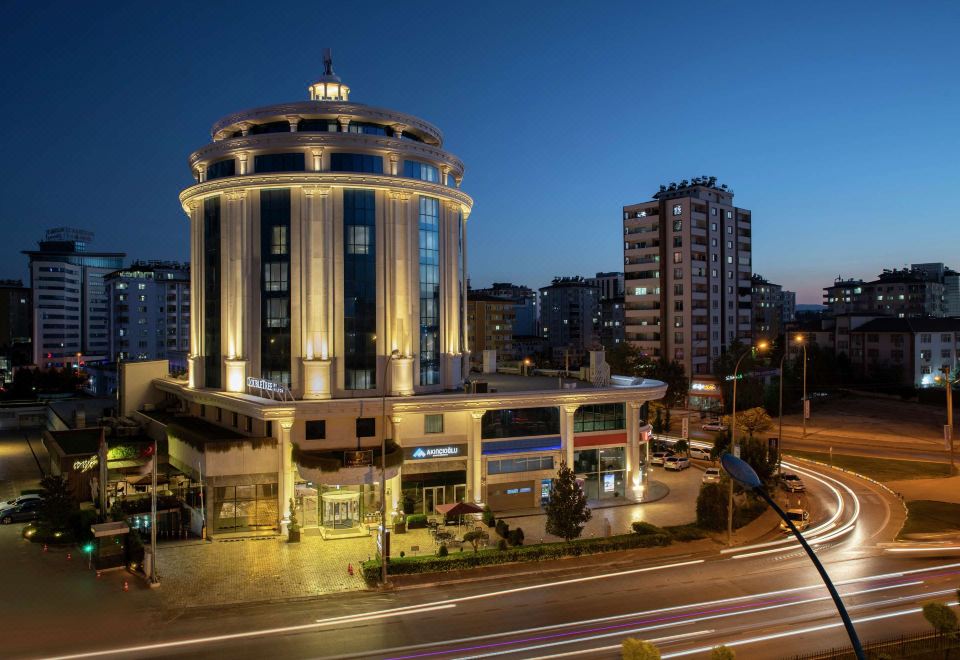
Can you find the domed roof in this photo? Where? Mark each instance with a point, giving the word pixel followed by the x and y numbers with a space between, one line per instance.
pixel 329 87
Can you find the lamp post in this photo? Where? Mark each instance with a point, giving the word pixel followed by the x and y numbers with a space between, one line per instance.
pixel 805 404
pixel 733 440
pixel 741 471
pixel 948 431
pixel 780 415
pixel 383 471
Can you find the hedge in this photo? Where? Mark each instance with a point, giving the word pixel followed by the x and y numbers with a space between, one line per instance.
pixel 416 521
pixel 466 560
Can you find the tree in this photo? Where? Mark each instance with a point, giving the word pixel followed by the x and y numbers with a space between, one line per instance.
pixel 666 422
pixel 476 537
pixel 682 447
pixel 672 373
pixel 58 503
pixel 567 510
pixel 940 617
pixel 720 444
pixel 712 506
pixel 658 421
pixel 751 421
pixel 638 649
pixel 625 359
pixel 722 653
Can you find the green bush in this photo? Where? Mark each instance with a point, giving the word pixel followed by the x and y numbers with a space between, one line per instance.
pixel 488 518
pixel 443 552
pixel 416 521
pixel 504 555
pixel 515 537
pixel 646 528
pixel 684 533
pixel 502 528
pixel 502 544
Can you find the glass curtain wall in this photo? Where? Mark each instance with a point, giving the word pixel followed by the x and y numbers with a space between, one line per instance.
pixel 275 285
pixel 245 508
pixel 359 289
pixel 603 472
pixel 429 291
pixel 211 292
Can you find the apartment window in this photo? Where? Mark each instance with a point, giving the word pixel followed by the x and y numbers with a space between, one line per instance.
pixel 678 273
pixel 358 239
pixel 873 338
pixel 316 429
pixel 924 338
pixel 678 257
pixel 926 369
pixel 946 339
pixel 677 209
pixel 713 273
pixel 640 291
pixel 366 427
pixel 729 216
pixel 677 241
pixel 729 229
pixel 678 289
pixel 945 353
pixel 713 211
pixel 278 240
pixel 677 321
pixel 713 226
pixel 433 423
pixel 713 242
pixel 678 225
pixel 275 276
pixel 713 258
pixel 729 289
pixel 925 355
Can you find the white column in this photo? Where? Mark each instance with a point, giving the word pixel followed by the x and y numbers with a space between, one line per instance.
pixel 633 447
pixel 314 294
pixel 475 449
pixel 195 375
pixel 393 484
pixel 242 157
pixel 567 411
pixel 285 482
pixel 294 120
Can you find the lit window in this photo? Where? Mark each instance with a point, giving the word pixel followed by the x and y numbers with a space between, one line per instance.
pixel 677 209
pixel 278 240
pixel 358 239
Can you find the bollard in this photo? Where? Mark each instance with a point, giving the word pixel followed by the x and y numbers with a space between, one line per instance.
pixel 350 569
pixel 98 574
pixel 126 586
pixel 44 547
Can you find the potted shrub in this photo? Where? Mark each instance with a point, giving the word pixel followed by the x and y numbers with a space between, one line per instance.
pixel 293 529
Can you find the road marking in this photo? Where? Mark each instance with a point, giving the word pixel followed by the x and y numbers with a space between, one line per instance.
pixel 614 647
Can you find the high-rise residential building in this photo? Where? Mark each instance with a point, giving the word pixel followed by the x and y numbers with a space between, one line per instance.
pixel 71 314
pixel 328 320
pixel 789 313
pixel 767 300
pixel 526 311
pixel 570 318
pixel 687 256
pixel 922 290
pixel 489 326
pixel 609 284
pixel 150 312
pixel 612 328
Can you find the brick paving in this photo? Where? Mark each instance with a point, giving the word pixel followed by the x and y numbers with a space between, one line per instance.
pixel 202 573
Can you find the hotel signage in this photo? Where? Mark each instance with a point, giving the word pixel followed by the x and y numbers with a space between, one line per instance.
pixel 268 389
pixel 353 459
pixel 433 452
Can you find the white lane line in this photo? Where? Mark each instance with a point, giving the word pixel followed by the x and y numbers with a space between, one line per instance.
pixel 255 633
pixel 616 647
pixel 791 633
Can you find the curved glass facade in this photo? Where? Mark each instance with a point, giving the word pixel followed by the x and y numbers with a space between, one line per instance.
pixel 359 290
pixel 211 292
pixel 286 162
pixel 414 169
pixel 275 285
pixel 520 422
pixel 221 168
pixel 429 225
pixel 342 162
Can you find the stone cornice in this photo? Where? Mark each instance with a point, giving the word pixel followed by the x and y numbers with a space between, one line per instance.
pixel 329 110
pixel 308 140
pixel 314 179
pixel 424 404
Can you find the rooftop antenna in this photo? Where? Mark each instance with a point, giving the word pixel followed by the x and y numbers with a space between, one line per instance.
pixel 327 62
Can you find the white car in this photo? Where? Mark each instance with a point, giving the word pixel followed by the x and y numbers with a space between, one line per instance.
pixel 699 453
pixel 658 457
pixel 791 483
pixel 714 425
pixel 799 518
pixel 676 463
pixel 711 476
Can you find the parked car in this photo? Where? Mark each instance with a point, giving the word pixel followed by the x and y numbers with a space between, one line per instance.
pixel 791 483
pixel 22 498
pixel 799 518
pixel 658 457
pixel 26 510
pixel 699 453
pixel 714 425
pixel 676 463
pixel 711 476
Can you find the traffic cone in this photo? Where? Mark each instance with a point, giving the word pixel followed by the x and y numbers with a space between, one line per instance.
pixel 126 586
pixel 69 556
pixel 350 569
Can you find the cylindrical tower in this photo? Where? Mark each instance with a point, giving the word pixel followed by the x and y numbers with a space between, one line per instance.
pixel 325 235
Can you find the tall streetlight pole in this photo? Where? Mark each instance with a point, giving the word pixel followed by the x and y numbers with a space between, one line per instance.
pixel 948 431
pixel 733 441
pixel 383 471
pixel 780 416
pixel 805 404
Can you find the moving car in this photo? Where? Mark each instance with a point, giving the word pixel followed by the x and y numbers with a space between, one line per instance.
pixel 676 463
pixel 791 483
pixel 714 425
pixel 799 518
pixel 658 457
pixel 699 453
pixel 711 476
pixel 26 510
pixel 22 498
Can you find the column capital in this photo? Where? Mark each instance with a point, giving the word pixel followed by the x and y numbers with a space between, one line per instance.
pixel 320 191
pixel 236 195
pixel 399 195
pixel 635 405
pixel 286 424
pixel 294 120
pixel 570 408
pixel 396 419
pixel 244 127
pixel 477 414
pixel 193 206
pixel 398 129
pixel 344 122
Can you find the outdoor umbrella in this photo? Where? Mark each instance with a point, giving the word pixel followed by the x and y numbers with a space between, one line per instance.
pixel 459 509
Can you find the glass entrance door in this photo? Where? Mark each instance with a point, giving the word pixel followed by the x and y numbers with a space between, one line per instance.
pixel 432 496
pixel 460 493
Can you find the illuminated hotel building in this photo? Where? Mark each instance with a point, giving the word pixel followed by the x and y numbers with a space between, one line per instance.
pixel 328 244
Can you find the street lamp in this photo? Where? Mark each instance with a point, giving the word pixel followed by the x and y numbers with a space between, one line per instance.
pixel 799 339
pixel 733 440
pixel 741 471
pixel 383 470
pixel 948 431
pixel 780 415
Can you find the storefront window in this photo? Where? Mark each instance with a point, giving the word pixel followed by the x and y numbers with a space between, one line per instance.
pixel 520 422
pixel 245 508
pixel 603 417
pixel 603 472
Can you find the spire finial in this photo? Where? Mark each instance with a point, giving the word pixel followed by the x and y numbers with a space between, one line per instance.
pixel 329 87
pixel 327 62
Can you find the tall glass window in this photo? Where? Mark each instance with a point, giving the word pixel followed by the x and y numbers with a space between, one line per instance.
pixel 275 285
pixel 600 417
pixel 221 168
pixel 211 292
pixel 429 291
pixel 341 162
pixel 359 289
pixel 414 169
pixel 289 162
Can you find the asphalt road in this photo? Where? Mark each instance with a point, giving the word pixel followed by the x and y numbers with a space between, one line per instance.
pixel 766 599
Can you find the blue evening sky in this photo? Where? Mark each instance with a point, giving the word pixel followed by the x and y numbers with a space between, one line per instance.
pixel 835 122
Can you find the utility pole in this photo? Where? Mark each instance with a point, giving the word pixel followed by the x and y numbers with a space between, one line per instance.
pixel 948 431
pixel 153 519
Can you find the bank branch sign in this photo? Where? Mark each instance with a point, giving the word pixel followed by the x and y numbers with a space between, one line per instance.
pixel 436 451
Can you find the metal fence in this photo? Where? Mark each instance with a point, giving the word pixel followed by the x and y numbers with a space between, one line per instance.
pixel 916 647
